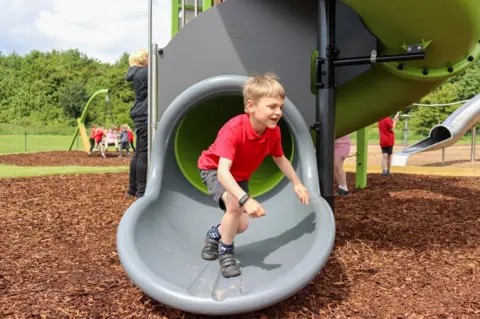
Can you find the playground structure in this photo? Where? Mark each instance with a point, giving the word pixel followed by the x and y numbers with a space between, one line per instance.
pixel 160 236
pixel 444 135
pixel 81 120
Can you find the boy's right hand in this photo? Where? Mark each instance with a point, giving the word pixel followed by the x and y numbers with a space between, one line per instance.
pixel 253 208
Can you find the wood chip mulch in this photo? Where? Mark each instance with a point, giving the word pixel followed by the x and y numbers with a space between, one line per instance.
pixel 66 158
pixel 406 247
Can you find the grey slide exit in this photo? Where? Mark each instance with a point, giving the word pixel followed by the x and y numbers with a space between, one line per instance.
pixel 445 134
pixel 161 235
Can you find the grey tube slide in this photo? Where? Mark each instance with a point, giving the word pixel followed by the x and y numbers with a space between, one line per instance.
pixel 161 235
pixel 445 134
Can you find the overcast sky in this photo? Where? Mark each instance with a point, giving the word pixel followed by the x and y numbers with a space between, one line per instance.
pixel 103 29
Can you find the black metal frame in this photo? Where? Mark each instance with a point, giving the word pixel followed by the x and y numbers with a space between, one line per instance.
pixel 325 89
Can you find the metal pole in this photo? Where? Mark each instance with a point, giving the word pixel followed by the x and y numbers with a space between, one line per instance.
pixel 183 13
pixel 196 8
pixel 150 69
pixel 154 94
pixel 325 100
pixel 405 136
pixel 474 143
pixel 379 59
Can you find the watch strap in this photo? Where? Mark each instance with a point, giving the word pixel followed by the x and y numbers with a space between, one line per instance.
pixel 242 200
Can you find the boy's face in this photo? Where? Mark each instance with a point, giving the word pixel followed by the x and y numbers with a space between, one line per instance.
pixel 267 111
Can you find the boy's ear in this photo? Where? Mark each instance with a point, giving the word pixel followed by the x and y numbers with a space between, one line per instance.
pixel 250 106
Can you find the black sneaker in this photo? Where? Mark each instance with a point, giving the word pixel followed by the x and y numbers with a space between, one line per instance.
pixel 342 192
pixel 210 250
pixel 228 265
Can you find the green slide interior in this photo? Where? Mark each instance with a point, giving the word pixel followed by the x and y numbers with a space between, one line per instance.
pixel 198 130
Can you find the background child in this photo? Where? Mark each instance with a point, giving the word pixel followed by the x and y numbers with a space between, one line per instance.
pixel 386 128
pixel 124 142
pixel 99 134
pixel 342 150
pixel 239 149
pixel 111 138
pixel 130 136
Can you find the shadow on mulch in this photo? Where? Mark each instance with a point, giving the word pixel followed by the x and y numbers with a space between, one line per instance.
pixel 66 158
pixel 406 247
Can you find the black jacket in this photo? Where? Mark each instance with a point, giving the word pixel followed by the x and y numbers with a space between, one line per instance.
pixel 139 77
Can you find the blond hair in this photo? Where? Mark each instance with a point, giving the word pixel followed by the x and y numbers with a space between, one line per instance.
pixel 137 57
pixel 260 86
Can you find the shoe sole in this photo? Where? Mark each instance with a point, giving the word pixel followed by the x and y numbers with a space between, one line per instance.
pixel 234 274
pixel 209 257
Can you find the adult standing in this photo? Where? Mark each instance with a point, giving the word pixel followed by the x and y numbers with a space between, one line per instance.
pixel 386 128
pixel 138 75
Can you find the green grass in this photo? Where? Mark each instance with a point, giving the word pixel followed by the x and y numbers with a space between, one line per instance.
pixel 11 171
pixel 32 129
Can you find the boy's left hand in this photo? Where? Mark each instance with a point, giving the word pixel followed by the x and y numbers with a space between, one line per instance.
pixel 302 193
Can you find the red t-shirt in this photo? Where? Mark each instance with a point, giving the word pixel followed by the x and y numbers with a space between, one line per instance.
pixel 98 136
pixel 130 136
pixel 387 136
pixel 238 141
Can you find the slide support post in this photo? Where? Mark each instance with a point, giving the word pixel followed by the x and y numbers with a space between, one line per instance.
pixel 325 100
pixel 362 158
pixel 325 64
pixel 474 143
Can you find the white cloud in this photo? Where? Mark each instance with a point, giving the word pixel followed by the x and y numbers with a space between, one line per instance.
pixel 102 29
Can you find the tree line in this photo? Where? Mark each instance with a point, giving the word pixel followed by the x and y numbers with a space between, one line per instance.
pixel 50 89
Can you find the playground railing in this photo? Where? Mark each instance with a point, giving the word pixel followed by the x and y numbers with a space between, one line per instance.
pixel 36 142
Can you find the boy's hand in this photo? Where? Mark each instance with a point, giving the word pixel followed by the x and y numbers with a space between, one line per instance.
pixel 253 208
pixel 302 193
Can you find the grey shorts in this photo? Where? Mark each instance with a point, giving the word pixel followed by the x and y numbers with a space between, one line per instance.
pixel 210 179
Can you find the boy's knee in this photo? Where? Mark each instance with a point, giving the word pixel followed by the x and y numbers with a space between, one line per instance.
pixel 231 205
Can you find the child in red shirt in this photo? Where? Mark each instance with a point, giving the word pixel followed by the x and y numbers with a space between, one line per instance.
pixel 239 149
pixel 386 128
pixel 99 133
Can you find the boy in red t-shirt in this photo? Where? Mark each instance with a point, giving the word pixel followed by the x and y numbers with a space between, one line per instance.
pixel 386 128
pixel 239 149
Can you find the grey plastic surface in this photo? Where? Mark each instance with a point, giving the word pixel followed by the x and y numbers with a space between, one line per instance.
pixel 250 36
pixel 161 235
pixel 445 134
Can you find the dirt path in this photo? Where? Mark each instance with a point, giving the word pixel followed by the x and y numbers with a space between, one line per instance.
pixel 455 156
pixel 65 158
pixel 406 247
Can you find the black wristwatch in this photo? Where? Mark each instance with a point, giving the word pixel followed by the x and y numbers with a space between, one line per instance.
pixel 242 200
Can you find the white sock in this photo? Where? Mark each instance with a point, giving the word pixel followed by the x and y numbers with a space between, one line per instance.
pixel 344 187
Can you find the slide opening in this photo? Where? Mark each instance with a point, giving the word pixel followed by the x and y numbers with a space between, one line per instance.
pixel 198 130
pixel 440 133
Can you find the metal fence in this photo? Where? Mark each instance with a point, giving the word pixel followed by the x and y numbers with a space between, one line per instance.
pixel 36 142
